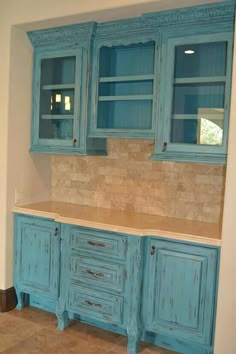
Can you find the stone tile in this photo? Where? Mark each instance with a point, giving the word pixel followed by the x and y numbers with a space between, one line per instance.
pixel 32 331
pixel 38 317
pixel 128 180
pixel 13 329
pixel 49 341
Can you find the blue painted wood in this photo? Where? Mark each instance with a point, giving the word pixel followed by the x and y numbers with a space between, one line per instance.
pixel 114 112
pixel 135 276
pixel 160 291
pixel 37 258
pixel 189 152
pixel 179 295
pixel 59 46
pixel 98 274
pixel 98 243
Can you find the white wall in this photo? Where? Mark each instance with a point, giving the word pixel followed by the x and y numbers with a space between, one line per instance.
pixel 30 174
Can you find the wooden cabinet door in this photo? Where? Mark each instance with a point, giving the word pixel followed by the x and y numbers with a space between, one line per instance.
pixel 179 299
pixel 37 256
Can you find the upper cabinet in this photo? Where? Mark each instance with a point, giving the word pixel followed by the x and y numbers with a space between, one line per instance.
pixel 193 121
pixel 163 76
pixel 60 91
pixel 124 88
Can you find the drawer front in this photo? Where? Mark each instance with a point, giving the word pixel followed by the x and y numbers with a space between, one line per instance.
pixel 95 304
pixel 97 273
pixel 100 243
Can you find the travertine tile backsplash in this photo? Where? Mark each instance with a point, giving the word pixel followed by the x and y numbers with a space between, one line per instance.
pixel 127 180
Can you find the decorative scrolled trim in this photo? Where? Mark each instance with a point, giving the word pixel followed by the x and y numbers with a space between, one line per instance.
pixel 153 23
pixel 62 35
pixel 223 13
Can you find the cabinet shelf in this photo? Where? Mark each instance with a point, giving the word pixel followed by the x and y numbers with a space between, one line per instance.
pixel 126 78
pixel 200 80
pixel 57 116
pixel 126 98
pixel 58 87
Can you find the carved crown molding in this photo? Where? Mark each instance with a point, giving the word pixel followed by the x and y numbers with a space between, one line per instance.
pixel 66 35
pixel 205 14
pixel 220 14
pixel 153 23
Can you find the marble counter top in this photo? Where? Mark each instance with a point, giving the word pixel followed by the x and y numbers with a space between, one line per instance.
pixel 125 221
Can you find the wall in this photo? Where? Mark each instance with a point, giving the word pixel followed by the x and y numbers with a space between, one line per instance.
pixel 127 180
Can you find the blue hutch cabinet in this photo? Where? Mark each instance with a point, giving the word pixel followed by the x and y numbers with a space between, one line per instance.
pixel 163 76
pixel 60 91
pixel 148 288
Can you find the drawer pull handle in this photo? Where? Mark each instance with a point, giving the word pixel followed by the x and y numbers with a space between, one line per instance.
pixel 96 244
pixel 56 231
pixel 92 304
pixel 95 274
pixel 152 250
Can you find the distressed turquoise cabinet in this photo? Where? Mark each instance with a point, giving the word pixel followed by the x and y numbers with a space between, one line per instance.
pixel 180 294
pixel 195 87
pixel 101 281
pixel 37 258
pixel 146 288
pixel 60 91
pixel 124 84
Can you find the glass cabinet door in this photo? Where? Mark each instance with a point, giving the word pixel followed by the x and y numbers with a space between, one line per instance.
pixel 57 91
pixel 195 97
pixel 199 94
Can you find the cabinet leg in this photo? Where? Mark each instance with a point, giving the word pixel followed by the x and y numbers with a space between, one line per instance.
pixel 133 346
pixel 62 317
pixel 20 299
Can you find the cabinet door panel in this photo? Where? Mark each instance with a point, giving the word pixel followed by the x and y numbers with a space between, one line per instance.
pixel 181 291
pixel 37 257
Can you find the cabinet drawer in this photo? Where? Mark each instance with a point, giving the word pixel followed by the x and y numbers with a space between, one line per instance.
pixel 95 304
pixel 97 273
pixel 100 243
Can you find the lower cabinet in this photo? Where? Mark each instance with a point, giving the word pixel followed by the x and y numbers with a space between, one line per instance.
pixel 161 291
pixel 36 258
pixel 180 294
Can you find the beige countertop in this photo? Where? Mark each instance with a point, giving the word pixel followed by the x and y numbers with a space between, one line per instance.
pixel 125 221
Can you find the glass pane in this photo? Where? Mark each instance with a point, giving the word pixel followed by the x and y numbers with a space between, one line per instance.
pixel 55 128
pixel 199 60
pixel 58 71
pixel 57 101
pixel 198 114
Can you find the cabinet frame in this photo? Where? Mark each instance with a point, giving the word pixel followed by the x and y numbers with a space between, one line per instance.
pixel 52 245
pixel 201 336
pixel 94 131
pixel 164 149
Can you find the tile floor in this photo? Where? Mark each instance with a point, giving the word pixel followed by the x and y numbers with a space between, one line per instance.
pixel 34 331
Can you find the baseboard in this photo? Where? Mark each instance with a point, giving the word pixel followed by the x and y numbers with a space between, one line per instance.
pixel 7 299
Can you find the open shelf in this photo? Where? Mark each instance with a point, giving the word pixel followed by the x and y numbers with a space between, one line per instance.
pixel 125 87
pixel 126 98
pixel 126 78
pixel 58 87
pixel 57 116
pixel 200 80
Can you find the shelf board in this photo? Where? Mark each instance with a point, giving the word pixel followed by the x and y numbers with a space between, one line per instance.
pixel 126 98
pixel 57 116
pixel 58 87
pixel 200 80
pixel 209 116
pixel 126 78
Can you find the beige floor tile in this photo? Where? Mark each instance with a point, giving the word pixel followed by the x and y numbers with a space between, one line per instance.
pixel 13 329
pixel 32 331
